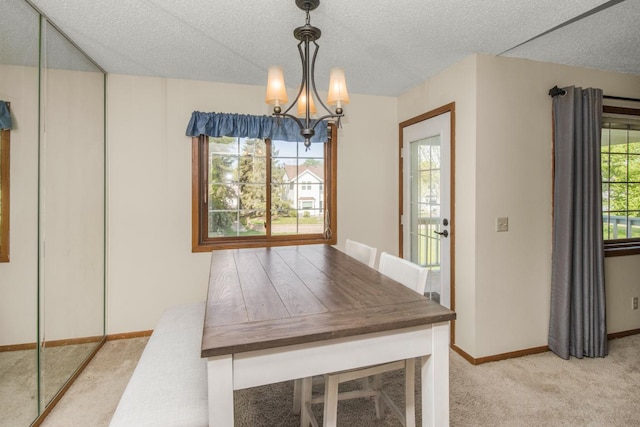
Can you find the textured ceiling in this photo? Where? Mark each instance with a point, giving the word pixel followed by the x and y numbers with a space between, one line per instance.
pixel 386 47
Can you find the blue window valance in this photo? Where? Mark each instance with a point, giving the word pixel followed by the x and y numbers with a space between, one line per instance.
pixel 248 126
pixel 5 116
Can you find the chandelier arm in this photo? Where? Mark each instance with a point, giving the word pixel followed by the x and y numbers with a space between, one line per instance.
pixel 328 116
pixel 307 90
pixel 297 98
pixel 291 116
pixel 313 80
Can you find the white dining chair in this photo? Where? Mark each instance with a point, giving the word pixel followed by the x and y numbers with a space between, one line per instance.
pixel 414 277
pixel 363 253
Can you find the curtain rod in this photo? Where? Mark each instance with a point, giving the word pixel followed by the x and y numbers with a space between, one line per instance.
pixel 555 91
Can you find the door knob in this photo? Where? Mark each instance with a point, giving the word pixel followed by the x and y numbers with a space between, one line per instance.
pixel 444 233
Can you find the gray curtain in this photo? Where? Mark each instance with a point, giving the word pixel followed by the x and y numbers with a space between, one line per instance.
pixel 577 324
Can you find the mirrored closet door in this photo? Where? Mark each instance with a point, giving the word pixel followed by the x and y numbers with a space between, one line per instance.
pixel 53 285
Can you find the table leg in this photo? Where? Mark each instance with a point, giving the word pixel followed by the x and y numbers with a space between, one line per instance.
pixel 435 379
pixel 409 390
pixel 330 417
pixel 220 388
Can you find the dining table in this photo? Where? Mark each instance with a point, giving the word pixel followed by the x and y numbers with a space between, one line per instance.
pixel 289 312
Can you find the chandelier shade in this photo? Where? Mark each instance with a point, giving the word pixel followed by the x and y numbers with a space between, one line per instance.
pixel 307 97
pixel 338 94
pixel 302 104
pixel 276 90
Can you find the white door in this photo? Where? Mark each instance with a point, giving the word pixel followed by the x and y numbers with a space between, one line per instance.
pixel 426 210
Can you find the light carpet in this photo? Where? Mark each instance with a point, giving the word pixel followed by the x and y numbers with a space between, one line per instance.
pixel 537 390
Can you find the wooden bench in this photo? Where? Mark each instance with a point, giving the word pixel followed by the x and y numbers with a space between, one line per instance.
pixel 169 385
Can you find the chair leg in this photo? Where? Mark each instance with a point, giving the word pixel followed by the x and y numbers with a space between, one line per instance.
pixel 304 397
pixel 409 392
pixel 379 402
pixel 297 384
pixel 330 417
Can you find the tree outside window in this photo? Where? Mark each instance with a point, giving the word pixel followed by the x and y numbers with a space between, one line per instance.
pixel 620 164
pixel 253 192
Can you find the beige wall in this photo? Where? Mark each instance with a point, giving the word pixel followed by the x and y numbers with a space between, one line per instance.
pixel 18 278
pixel 504 121
pixel 503 166
pixel 151 266
pixel 457 84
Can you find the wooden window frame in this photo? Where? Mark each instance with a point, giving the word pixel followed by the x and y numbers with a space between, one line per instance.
pixel 4 180
pixel 621 247
pixel 199 175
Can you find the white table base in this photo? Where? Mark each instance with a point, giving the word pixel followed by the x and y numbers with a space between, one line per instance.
pixel 251 369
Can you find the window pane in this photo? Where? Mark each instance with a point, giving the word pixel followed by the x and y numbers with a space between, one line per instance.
pixel 304 221
pixel 618 140
pixel 312 221
pixel 283 172
pixel 237 187
pixel 604 140
pixel 633 198
pixel 604 164
pixel 606 226
pixel 222 169
pixel 221 223
pixel 634 222
pixel 615 227
pixel 316 150
pixel 223 197
pixel 634 167
pixel 297 191
pixel 606 196
pixel 310 177
pixel 280 199
pixel 223 145
pixel 252 223
pixel 618 168
pixel 284 223
pixel 284 149
pixel 618 197
pixel 634 141
pixel 253 197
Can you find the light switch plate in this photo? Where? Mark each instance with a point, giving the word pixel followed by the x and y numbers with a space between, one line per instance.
pixel 502 224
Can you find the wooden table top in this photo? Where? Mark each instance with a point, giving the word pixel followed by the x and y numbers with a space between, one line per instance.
pixel 270 297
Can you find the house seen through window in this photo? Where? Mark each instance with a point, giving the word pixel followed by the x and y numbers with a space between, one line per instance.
pixel 262 192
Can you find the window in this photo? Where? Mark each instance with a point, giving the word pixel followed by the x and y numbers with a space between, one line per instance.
pixel 4 195
pixel 247 192
pixel 620 157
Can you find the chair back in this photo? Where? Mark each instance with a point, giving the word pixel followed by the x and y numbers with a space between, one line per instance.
pixel 413 276
pixel 363 253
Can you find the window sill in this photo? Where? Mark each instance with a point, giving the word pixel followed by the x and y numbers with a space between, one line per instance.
pixel 244 244
pixel 621 248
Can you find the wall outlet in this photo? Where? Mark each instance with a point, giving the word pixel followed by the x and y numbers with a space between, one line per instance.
pixel 634 303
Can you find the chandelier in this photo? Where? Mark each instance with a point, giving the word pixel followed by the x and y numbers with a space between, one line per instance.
pixel 277 92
